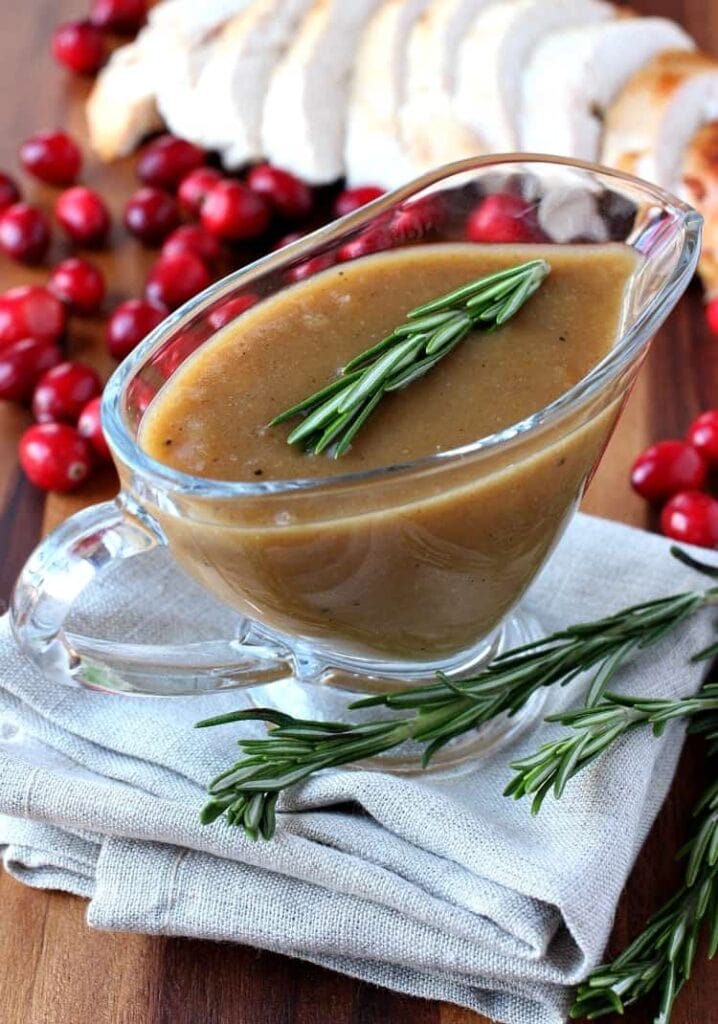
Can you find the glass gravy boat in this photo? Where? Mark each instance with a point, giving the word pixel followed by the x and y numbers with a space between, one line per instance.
pixel 471 618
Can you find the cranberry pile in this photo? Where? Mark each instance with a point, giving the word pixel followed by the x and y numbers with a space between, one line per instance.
pixel 189 210
pixel 677 475
pixel 195 215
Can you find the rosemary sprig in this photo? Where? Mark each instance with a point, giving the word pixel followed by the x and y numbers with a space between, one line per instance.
pixel 333 416
pixel 596 729
pixel 294 749
pixel 661 958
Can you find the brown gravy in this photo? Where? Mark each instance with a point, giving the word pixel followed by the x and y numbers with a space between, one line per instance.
pixel 211 419
pixel 416 567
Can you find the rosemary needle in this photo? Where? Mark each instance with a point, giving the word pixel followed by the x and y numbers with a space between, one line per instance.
pixel 333 416
pixel 595 729
pixel 660 959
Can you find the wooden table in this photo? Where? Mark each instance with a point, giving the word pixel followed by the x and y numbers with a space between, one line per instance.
pixel 53 970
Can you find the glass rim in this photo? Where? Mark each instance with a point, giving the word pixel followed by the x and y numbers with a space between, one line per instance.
pixel 627 345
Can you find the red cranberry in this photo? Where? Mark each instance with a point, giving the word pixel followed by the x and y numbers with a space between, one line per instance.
pixel 130 323
pixel 503 218
pixel 233 211
pixel 55 457
pixel 691 517
pixel 666 468
pixel 230 309
pixel 79 284
pixel 139 397
pixel 83 215
pixel 712 315
pixel 195 239
pixel 285 240
pixel 312 266
pixel 373 240
pixel 194 189
pixel 21 366
pixel 165 161
pixel 703 435
pixel 415 219
pixel 352 199
pixel 90 426
pixel 170 357
pixel 30 311
pixel 287 194
pixel 24 232
pixel 52 157
pixel 79 46
pixel 9 192
pixel 118 15
pixel 151 214
pixel 175 279
pixel 63 392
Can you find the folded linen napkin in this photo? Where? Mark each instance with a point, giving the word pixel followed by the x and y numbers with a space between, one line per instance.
pixel 434 885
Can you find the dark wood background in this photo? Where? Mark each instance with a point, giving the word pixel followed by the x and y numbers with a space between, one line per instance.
pixel 53 970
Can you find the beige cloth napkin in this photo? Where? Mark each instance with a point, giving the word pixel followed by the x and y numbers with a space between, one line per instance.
pixel 434 885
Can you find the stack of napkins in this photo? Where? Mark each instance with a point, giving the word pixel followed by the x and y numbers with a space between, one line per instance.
pixel 430 884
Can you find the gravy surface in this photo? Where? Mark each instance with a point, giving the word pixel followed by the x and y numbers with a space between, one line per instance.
pixel 211 419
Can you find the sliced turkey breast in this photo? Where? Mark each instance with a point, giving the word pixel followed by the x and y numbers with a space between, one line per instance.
pixel 233 82
pixel 574 75
pixel 699 187
pixel 373 150
pixel 651 124
pixel 494 54
pixel 189 32
pixel 121 108
pixel 569 211
pixel 193 19
pixel 431 132
pixel 304 117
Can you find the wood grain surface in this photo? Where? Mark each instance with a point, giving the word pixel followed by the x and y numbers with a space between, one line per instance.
pixel 53 970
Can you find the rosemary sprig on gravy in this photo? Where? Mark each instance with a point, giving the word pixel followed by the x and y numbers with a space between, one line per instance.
pixel 333 416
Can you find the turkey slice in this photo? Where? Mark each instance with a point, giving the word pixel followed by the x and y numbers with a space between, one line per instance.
pixel 431 132
pixel 494 54
pixel 190 36
pixel 232 85
pixel 651 124
pixel 304 117
pixel 699 187
pixel 121 108
pixel 574 76
pixel 373 151
pixel 193 19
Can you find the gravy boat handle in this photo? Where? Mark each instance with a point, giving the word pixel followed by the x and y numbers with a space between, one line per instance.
pixel 55 576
